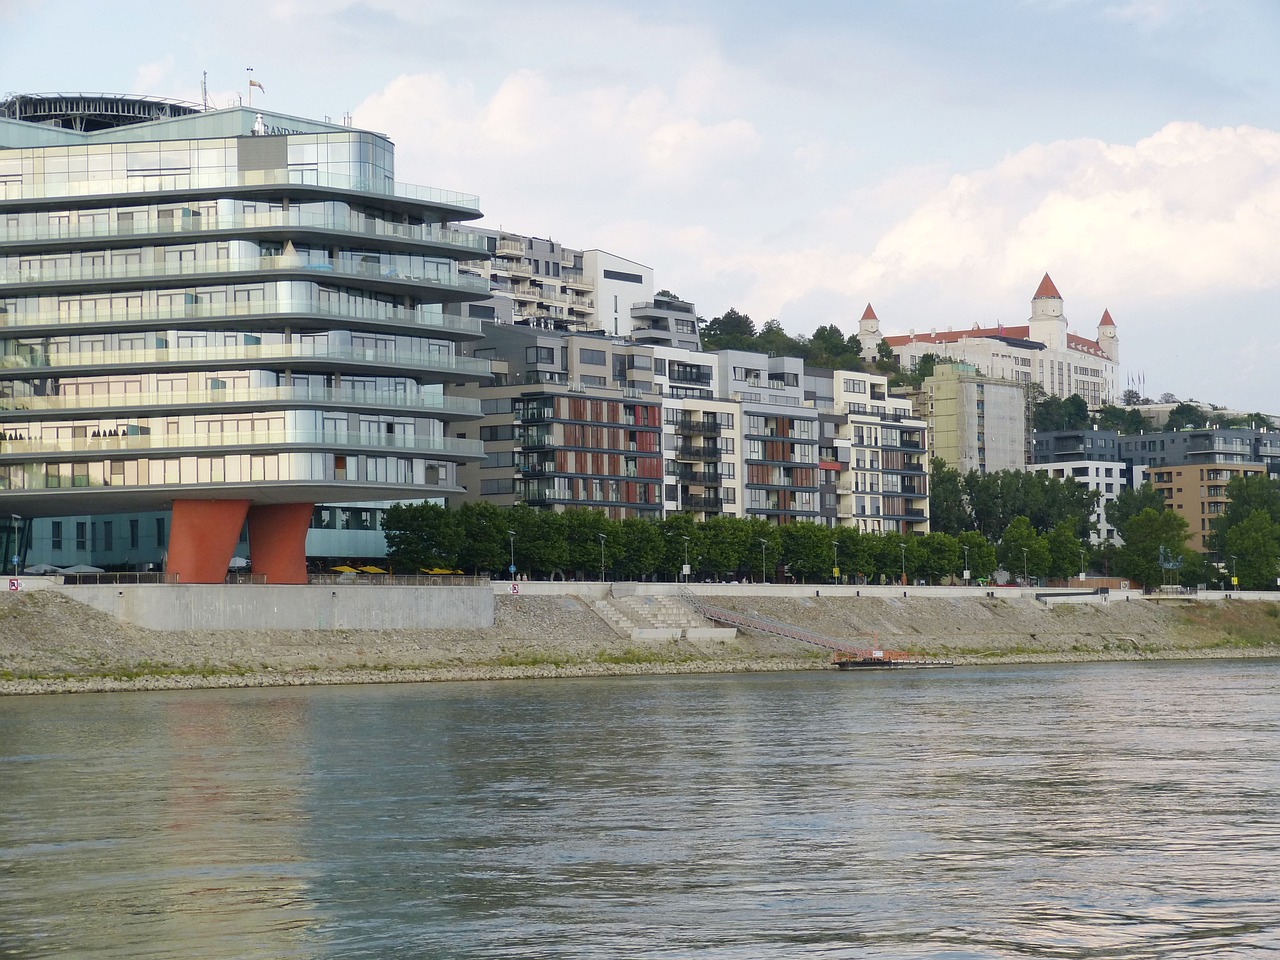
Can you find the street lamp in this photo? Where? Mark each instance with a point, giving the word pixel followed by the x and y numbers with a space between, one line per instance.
pixel 15 518
pixel 966 565
pixel 512 535
pixel 602 540
pixel 835 570
pixel 1024 566
pixel 903 547
pixel 1082 566
pixel 764 577
pixel 1234 581
pixel 686 558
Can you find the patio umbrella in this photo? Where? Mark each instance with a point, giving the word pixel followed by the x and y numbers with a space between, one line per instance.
pixel 344 569
pixel 237 563
pixel 42 568
pixel 82 568
pixel 372 569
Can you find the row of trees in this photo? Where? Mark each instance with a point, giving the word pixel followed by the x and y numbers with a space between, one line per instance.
pixel 481 537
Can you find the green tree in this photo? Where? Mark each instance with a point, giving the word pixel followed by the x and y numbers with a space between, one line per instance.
pixel 1064 550
pixel 981 555
pixel 1130 502
pixel 730 331
pixel 806 551
pixel 726 547
pixel 1021 549
pixel 948 507
pixel 938 556
pixel 540 545
pixel 484 543
pixel 1245 494
pixel 1144 535
pixel 1186 415
pixel 643 548
pixel 776 341
pixel 1058 413
pixel 1252 546
pixel 1124 421
pixel 422 536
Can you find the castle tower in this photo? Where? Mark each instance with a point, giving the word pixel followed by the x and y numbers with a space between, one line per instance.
pixel 1108 339
pixel 1047 324
pixel 869 332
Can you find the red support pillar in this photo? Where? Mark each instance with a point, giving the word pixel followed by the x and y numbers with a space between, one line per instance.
pixel 278 541
pixel 203 538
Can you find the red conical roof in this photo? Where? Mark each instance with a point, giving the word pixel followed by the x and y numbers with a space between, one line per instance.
pixel 869 314
pixel 1046 290
pixel 1106 320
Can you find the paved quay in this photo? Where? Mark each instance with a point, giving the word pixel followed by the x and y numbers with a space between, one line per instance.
pixel 52 642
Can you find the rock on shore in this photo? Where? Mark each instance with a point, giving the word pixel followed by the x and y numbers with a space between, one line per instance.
pixel 51 643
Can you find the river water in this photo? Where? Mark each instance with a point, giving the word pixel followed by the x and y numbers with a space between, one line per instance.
pixel 1101 810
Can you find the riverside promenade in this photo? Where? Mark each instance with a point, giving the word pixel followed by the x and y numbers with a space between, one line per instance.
pixel 58 637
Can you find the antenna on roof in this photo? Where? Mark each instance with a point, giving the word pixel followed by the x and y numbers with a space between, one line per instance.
pixel 204 89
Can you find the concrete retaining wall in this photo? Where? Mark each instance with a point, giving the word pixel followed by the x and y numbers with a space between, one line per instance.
pixel 319 607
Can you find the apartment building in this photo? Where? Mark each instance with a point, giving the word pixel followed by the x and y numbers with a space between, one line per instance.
pixel 219 320
pixel 544 283
pixel 1093 458
pixel 976 422
pixel 1191 468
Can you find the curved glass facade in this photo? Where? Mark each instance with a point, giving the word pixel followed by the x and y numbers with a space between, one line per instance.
pixel 265 317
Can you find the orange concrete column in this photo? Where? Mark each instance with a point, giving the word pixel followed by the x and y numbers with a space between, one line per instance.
pixel 203 538
pixel 278 541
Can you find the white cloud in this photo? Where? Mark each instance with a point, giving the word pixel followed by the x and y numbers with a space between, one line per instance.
pixel 151 77
pixel 1187 210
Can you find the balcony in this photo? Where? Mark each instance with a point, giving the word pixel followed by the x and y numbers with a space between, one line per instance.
pixel 691 427
pixel 706 454
pixel 704 503
pixel 687 474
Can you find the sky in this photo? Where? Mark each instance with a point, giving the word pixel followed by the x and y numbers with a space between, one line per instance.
pixel 930 157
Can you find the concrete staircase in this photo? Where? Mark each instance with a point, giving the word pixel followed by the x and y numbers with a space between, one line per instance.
pixel 658 618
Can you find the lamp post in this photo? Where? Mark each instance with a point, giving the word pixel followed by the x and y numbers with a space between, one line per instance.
pixel 15 518
pixel 966 564
pixel 1234 581
pixel 1082 566
pixel 835 570
pixel 512 535
pixel 903 547
pixel 764 577
pixel 1024 566
pixel 602 540
pixel 686 558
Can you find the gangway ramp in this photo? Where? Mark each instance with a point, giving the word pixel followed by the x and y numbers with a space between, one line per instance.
pixel 846 654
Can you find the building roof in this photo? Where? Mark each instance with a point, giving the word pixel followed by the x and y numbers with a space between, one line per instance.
pixel 1106 320
pixel 1046 290
pixel 869 314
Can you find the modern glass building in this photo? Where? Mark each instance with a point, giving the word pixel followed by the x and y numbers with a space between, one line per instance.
pixel 226 315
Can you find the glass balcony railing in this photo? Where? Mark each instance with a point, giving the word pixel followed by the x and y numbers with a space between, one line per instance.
pixel 274 220
pixel 172 400
pixel 185 180
pixel 439 274
pixel 428 319
pixel 241 357
pixel 74 448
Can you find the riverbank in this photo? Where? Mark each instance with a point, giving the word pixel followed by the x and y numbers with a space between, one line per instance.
pixel 50 643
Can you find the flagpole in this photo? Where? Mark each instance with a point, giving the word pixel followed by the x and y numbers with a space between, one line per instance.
pixel 250 70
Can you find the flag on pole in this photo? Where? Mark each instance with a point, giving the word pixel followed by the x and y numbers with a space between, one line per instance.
pixel 255 83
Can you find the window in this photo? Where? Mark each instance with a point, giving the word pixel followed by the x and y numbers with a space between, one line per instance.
pixel 55 535
pixel 133 534
pixel 107 535
pixel 82 535
pixel 624 277
pixel 593 358
pixel 160 533
pixel 545 355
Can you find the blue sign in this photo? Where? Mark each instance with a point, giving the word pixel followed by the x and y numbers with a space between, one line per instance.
pixel 510 569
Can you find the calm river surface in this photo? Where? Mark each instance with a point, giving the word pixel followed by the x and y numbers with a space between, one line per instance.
pixel 1112 810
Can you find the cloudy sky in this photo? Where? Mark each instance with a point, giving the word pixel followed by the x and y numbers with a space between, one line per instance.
pixel 797 161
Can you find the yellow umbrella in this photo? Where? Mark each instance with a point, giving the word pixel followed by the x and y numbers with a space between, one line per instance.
pixel 372 570
pixel 344 569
